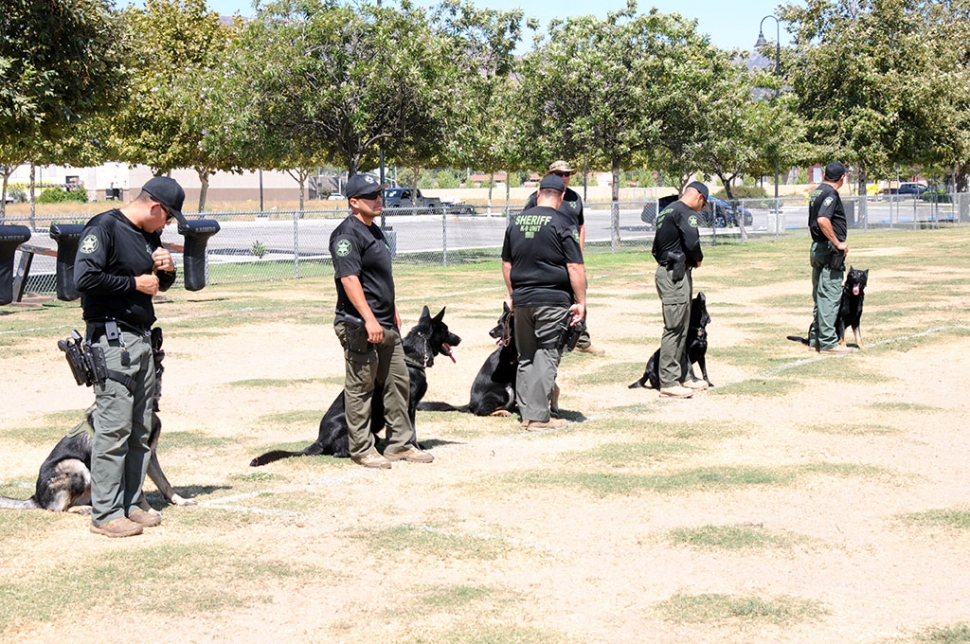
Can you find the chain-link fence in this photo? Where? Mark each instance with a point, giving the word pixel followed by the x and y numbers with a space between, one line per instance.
pixel 262 246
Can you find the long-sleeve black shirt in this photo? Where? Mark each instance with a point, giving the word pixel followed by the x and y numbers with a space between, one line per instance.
pixel 112 252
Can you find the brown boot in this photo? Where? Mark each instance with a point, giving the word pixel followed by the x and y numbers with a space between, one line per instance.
pixel 120 527
pixel 373 460
pixel 552 423
pixel 411 455
pixel 146 519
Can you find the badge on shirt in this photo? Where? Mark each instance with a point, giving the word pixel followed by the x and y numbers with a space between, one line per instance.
pixel 343 248
pixel 88 245
pixel 692 221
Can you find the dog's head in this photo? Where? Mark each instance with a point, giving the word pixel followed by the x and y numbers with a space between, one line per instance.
pixel 856 280
pixel 437 338
pixel 699 319
pixel 503 329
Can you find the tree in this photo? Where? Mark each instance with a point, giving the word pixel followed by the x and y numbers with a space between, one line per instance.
pixel 175 118
pixel 613 88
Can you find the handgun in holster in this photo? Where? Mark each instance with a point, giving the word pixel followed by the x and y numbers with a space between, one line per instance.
pixel 87 362
pixel 836 258
pixel 569 335
pixel 355 333
pixel 677 264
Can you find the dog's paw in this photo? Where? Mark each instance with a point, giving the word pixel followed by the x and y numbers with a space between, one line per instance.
pixel 84 510
pixel 182 502
pixel 501 413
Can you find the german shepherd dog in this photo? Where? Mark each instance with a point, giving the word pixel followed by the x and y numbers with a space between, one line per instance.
pixel 493 390
pixel 64 482
pixel 850 308
pixel 429 337
pixel 696 351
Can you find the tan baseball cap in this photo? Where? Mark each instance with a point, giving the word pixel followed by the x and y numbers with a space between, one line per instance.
pixel 560 166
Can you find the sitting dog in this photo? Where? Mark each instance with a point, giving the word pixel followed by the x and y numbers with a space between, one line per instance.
pixel 696 351
pixel 429 337
pixel 850 308
pixel 64 482
pixel 493 390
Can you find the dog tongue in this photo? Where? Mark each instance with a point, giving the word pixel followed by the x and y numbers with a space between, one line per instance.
pixel 451 352
pixel 855 289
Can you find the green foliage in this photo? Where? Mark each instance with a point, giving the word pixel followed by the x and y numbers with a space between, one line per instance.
pixel 714 608
pixel 446 179
pixel 258 249
pixel 58 194
pixel 743 192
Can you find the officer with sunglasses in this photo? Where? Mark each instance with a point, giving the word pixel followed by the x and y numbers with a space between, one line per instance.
pixel 120 266
pixel 369 328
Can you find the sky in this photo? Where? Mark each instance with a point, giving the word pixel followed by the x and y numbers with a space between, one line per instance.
pixel 730 25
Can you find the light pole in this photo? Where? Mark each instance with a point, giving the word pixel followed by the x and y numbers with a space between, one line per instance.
pixel 761 43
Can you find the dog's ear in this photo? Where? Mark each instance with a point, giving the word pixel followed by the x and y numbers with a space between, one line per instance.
pixel 425 313
pixel 505 307
pixel 438 318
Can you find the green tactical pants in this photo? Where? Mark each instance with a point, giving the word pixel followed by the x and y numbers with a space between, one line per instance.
pixel 122 426
pixel 675 297
pixel 537 338
pixel 382 363
pixel 827 294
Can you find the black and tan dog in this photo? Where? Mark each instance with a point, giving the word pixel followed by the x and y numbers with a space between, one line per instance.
pixel 429 337
pixel 64 482
pixel 850 308
pixel 696 351
pixel 493 390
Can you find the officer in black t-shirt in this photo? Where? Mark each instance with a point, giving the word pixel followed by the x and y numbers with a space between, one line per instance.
pixel 542 264
pixel 120 265
pixel 827 223
pixel 677 249
pixel 369 328
pixel 572 207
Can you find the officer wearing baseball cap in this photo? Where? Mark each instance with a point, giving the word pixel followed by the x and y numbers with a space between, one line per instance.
pixel 829 228
pixel 120 266
pixel 369 328
pixel 677 249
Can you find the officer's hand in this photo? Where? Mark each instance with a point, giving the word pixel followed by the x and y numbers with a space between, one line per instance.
pixel 375 332
pixel 147 284
pixel 163 260
pixel 579 312
pixel 844 247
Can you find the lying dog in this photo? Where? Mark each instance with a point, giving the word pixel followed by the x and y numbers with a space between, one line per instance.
pixel 850 308
pixel 429 337
pixel 493 390
pixel 64 482
pixel 696 347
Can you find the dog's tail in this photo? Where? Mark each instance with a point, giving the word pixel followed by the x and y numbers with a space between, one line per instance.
pixel 313 449
pixel 637 385
pixel 6 503
pixel 795 338
pixel 441 406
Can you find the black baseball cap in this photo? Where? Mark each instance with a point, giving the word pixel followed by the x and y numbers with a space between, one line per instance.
pixel 699 187
pixel 552 182
pixel 167 192
pixel 363 184
pixel 834 171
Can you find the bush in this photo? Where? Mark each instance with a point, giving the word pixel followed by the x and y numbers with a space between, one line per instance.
pixel 58 194
pixel 17 192
pixel 744 192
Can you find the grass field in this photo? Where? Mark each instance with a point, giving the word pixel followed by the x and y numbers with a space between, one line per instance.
pixel 802 499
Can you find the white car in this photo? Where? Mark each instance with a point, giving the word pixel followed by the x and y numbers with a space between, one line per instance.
pixel 336 196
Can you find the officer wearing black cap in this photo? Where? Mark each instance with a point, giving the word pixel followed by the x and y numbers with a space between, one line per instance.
pixel 369 328
pixel 677 249
pixel 542 265
pixel 827 223
pixel 120 266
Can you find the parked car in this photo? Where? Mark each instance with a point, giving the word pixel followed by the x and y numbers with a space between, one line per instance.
pixel 410 201
pixel 336 196
pixel 649 213
pixel 912 188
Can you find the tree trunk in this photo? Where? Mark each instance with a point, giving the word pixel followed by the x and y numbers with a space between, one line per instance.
pixel 7 171
pixel 491 184
pixel 33 185
pixel 615 204
pixel 862 211
pixel 204 192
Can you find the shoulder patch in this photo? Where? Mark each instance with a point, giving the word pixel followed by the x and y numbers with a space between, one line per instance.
pixel 828 201
pixel 692 220
pixel 576 235
pixel 343 247
pixel 88 245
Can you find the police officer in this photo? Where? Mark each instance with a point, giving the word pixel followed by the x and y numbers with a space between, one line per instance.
pixel 677 249
pixel 572 206
pixel 542 264
pixel 369 328
pixel 120 265
pixel 827 223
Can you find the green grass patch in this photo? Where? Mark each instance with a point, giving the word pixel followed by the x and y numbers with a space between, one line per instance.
pixel 955 634
pixel 617 455
pixel 294 417
pixel 843 370
pixel 256 383
pixel 431 542
pixel 955 519
pixel 483 632
pixel 766 387
pixel 845 429
pixel 717 608
pixel 733 537
pixel 609 374
pixel 451 598
pixel 901 406
pixel 193 440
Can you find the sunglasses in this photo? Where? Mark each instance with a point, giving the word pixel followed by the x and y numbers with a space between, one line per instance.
pixel 168 213
pixel 562 174
pixel 370 196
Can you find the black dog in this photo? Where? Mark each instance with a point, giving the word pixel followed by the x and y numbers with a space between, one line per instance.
pixel 64 481
pixel 696 347
pixel 429 337
pixel 493 390
pixel 850 307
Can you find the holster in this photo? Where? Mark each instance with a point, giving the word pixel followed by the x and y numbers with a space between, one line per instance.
pixel 836 259
pixel 677 265
pixel 355 333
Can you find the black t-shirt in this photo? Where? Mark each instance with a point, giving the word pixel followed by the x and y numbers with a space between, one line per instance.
pixel 825 202
pixel 572 205
pixel 359 249
pixel 111 253
pixel 539 243
pixel 677 232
